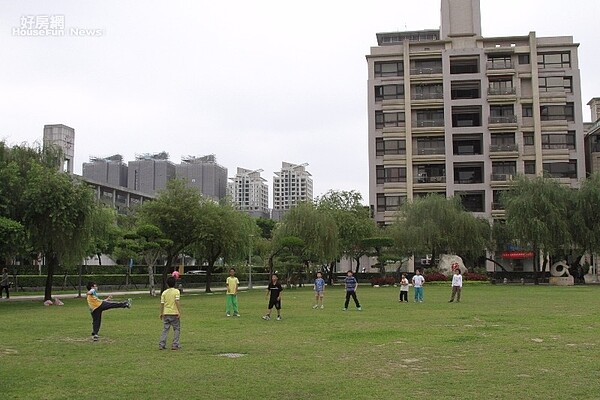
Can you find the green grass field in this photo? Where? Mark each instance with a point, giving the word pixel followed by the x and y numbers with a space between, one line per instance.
pixel 500 342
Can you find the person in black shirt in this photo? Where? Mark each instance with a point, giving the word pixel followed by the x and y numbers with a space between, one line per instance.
pixel 274 292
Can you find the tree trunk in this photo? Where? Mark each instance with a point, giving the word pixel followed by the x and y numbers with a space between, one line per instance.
pixel 496 263
pixel 357 264
pixel 209 271
pixel 536 262
pixel 151 285
pixel 163 286
pixel 52 263
pixel 330 274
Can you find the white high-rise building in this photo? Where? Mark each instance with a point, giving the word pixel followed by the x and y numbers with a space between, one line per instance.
pixel 292 185
pixel 250 193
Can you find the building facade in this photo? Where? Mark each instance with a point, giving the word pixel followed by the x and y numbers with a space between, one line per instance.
pixel 204 174
pixel 149 173
pixel 62 137
pixel 250 193
pixel 292 185
pixel 459 114
pixel 592 138
pixel 110 170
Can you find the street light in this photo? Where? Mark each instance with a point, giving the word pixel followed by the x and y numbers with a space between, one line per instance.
pixel 250 261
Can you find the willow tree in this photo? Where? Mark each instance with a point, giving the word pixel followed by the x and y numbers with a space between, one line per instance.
pixel 538 216
pixel 438 225
pixel 353 221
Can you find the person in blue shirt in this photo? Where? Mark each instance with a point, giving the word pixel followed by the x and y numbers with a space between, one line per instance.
pixel 351 286
pixel 319 290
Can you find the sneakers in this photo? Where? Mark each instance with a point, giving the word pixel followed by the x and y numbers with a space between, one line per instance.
pixel 279 318
pixel 322 307
pixel 236 315
pixel 344 309
pixel 228 315
pixel 359 308
pixel 266 317
pixel 175 348
pixel 95 338
pixel 315 306
pixel 129 303
pixel 161 347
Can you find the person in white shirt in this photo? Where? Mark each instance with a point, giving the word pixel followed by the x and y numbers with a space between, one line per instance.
pixel 456 283
pixel 418 282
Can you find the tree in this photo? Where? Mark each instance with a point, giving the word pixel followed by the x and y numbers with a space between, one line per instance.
pixel 585 224
pixel 57 218
pixel 434 225
pixel 353 221
pixel 12 239
pixel 223 233
pixel 177 212
pixel 537 216
pixel 266 226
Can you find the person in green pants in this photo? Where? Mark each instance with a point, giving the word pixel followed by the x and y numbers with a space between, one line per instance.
pixel 232 284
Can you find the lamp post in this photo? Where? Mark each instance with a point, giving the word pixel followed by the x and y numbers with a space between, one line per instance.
pixel 250 261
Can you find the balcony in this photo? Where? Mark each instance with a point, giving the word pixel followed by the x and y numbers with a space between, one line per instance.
pixel 504 119
pixel 502 91
pixel 427 96
pixel 501 177
pixel 425 151
pixel 429 123
pixel 424 178
pixel 426 70
pixel 499 64
pixel 497 148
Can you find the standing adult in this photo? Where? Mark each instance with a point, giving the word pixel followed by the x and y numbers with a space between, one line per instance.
pixel 418 281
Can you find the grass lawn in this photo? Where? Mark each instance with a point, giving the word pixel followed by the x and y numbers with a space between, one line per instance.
pixel 500 342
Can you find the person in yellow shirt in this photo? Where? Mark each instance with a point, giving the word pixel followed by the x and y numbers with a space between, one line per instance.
pixel 96 306
pixel 232 284
pixel 170 314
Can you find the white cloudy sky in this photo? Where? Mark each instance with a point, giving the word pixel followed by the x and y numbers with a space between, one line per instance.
pixel 255 82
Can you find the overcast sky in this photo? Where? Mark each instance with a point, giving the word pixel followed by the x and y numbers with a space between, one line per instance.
pixel 255 82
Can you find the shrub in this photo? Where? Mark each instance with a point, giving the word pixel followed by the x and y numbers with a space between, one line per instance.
pixel 474 276
pixel 383 280
pixel 435 277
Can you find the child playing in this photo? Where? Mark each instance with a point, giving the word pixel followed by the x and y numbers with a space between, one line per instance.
pixel 97 305
pixel 351 285
pixel 170 314
pixel 319 290
pixel 418 282
pixel 456 283
pixel 274 290
pixel 403 289
pixel 232 289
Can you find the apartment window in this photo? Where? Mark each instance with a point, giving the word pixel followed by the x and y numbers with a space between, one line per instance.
pixel 502 114
pixel 524 59
pixel 429 118
pixel 527 110
pixel 558 140
pixel 433 66
pixel 499 62
pixel 554 60
pixel 559 112
pixel 503 139
pixel 561 169
pixel 389 68
pixel 497 199
pixel 556 84
pixel 473 201
pixel 390 174
pixel 389 203
pixel 464 65
pixel 500 86
pixel 465 90
pixel 468 173
pixel 389 92
pixel 503 170
pixel 431 145
pixel 467 145
pixel 430 173
pixel 421 92
pixel 529 167
pixel 466 116
pixel 389 147
pixel 386 120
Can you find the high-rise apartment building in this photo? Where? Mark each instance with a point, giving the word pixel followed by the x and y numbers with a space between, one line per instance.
pixel 459 114
pixel 204 174
pixel 63 137
pixel 250 193
pixel 111 170
pixel 292 185
pixel 149 173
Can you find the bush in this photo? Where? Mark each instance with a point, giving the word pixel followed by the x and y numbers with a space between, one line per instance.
pixel 383 280
pixel 435 277
pixel 474 276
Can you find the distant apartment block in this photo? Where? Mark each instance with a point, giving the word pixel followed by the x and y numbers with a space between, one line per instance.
pixel 149 173
pixel 63 137
pixel 111 170
pixel 292 185
pixel 459 114
pixel 592 138
pixel 204 174
pixel 250 193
